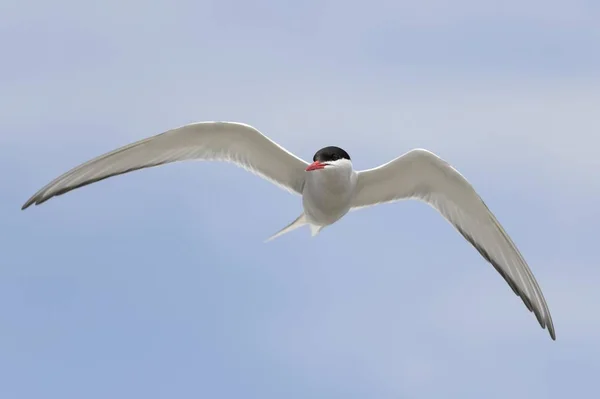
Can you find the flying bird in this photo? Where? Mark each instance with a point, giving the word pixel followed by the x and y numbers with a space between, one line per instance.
pixel 329 186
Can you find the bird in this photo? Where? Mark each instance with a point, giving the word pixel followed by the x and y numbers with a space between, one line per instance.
pixel 329 186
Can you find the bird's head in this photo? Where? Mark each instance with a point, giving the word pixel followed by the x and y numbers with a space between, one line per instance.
pixel 329 158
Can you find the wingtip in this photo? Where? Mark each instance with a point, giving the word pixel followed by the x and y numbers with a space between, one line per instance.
pixel 547 324
pixel 35 201
pixel 30 201
pixel 552 332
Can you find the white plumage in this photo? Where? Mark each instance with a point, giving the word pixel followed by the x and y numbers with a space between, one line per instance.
pixel 329 187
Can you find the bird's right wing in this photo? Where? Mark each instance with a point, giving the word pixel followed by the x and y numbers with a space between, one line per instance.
pixel 420 174
pixel 237 143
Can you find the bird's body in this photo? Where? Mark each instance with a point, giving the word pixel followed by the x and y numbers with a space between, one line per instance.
pixel 326 197
pixel 330 188
pixel 327 194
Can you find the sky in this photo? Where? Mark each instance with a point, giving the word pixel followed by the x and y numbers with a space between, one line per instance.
pixel 158 284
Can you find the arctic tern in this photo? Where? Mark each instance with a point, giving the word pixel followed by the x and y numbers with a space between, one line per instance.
pixel 329 187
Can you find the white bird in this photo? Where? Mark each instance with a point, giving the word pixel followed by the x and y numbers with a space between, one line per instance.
pixel 329 186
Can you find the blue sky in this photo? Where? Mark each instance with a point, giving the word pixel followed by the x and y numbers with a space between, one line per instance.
pixel 158 284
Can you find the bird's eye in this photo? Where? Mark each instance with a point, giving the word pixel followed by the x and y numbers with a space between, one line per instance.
pixel 335 157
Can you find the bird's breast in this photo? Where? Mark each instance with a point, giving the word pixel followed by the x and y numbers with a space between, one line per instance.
pixel 327 196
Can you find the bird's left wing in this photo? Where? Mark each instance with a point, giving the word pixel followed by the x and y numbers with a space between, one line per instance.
pixel 421 175
pixel 233 142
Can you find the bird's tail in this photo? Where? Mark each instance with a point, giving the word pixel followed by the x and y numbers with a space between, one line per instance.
pixel 299 222
pixel 314 229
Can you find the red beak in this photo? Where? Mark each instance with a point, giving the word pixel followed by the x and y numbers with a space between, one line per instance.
pixel 316 166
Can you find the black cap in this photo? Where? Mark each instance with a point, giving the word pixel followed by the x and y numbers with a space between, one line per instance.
pixel 329 154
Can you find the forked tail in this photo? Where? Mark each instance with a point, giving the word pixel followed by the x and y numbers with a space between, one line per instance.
pixel 299 222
